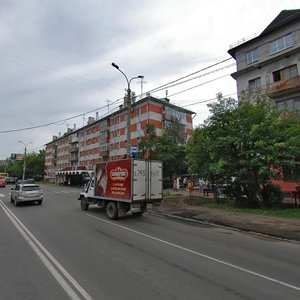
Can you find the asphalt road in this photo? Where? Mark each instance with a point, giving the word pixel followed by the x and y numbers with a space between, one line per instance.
pixel 57 251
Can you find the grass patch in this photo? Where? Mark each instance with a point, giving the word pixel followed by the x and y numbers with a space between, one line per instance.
pixel 280 212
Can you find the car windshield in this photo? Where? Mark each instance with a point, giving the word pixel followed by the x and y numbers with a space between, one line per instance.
pixel 31 188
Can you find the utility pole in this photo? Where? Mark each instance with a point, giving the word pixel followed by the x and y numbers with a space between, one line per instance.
pixel 128 105
pixel 24 160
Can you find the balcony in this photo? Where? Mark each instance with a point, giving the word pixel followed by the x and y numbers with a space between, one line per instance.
pixel 73 158
pixel 73 149
pixel 283 87
pixel 104 153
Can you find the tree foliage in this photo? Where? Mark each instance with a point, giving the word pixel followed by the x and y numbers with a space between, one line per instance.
pixel 35 166
pixel 245 146
pixel 170 147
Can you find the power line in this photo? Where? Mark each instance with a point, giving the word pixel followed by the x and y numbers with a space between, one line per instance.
pixel 195 86
pixel 55 123
pixel 191 74
pixel 197 77
pixel 207 100
pixel 156 89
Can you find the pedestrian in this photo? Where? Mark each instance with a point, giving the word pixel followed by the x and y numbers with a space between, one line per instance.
pixel 189 186
pixel 178 183
pixel 175 185
pixel 201 183
pixel 184 182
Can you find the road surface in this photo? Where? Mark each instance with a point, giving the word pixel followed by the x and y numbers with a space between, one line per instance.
pixel 57 251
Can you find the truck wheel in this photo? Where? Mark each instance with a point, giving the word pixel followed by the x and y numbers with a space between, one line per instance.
pixel 143 209
pixel 112 210
pixel 83 204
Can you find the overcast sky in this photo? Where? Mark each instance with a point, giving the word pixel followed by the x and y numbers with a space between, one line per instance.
pixel 56 56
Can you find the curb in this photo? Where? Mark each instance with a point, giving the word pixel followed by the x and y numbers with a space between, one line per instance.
pixel 223 225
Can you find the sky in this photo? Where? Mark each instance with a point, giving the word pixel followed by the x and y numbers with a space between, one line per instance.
pixel 55 58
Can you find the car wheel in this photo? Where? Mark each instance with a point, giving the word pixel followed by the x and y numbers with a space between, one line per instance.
pixel 40 202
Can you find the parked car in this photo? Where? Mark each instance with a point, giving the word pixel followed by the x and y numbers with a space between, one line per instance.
pixel 2 183
pixel 11 180
pixel 26 193
pixel 30 180
pixel 21 181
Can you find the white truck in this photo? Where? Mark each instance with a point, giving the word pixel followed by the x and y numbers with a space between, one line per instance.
pixel 124 186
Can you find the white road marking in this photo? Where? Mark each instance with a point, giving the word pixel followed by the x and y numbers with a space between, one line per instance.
pixel 200 254
pixel 47 259
pixel 2 195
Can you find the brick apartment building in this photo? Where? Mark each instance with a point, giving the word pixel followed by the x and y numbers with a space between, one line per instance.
pixel 68 156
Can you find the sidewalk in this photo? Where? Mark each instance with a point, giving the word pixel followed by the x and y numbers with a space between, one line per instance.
pixel 288 228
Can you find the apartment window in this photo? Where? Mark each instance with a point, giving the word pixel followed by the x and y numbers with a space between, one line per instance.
pixel 281 43
pixel 285 74
pixel 254 84
pixel 252 56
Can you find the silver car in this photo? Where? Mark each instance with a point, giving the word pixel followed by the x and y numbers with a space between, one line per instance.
pixel 26 193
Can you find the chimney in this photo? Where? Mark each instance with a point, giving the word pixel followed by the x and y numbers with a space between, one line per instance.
pixel 54 137
pixel 91 120
pixel 74 128
pixel 59 135
pixel 97 116
pixel 133 97
pixel 121 106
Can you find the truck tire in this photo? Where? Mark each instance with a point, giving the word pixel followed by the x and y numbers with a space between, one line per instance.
pixel 83 204
pixel 112 210
pixel 143 209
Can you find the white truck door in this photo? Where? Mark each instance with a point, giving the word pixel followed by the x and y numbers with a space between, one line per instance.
pixel 155 179
pixel 139 178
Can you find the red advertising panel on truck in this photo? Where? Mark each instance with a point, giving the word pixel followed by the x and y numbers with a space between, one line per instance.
pixel 113 180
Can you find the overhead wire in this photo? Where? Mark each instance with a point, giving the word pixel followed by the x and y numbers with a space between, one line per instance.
pixel 153 90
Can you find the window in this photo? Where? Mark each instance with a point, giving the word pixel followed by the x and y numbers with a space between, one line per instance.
pixel 285 74
pixel 289 104
pixel 252 56
pixel 254 84
pixel 281 43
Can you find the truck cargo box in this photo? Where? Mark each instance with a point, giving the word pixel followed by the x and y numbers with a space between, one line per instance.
pixel 129 180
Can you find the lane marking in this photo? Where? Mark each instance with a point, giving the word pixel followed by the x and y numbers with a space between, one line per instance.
pixel 199 254
pixel 2 195
pixel 47 259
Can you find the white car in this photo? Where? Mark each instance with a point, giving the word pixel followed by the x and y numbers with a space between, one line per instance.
pixel 26 193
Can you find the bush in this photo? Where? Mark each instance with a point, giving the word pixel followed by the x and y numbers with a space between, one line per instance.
pixel 272 195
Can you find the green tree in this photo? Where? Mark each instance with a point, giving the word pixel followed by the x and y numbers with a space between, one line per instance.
pixel 149 141
pixel 35 166
pixel 249 143
pixel 169 147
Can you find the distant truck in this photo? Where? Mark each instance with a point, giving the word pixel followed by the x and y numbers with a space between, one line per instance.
pixel 124 186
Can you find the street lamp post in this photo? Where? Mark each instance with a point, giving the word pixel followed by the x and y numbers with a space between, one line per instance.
pixel 24 160
pixel 128 105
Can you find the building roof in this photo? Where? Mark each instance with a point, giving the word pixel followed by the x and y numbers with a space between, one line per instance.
pixel 285 17
pixel 148 98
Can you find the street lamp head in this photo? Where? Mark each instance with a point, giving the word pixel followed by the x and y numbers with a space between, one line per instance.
pixel 115 66
pixel 141 76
